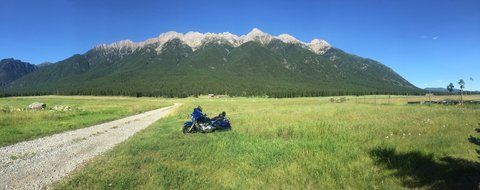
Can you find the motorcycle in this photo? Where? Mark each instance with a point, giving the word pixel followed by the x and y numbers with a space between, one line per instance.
pixel 203 124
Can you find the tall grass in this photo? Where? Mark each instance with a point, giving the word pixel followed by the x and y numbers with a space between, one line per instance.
pixel 301 143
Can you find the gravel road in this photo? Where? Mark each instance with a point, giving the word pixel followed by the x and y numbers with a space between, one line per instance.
pixel 38 163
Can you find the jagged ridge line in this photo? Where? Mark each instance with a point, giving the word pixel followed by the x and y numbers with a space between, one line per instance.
pixel 197 39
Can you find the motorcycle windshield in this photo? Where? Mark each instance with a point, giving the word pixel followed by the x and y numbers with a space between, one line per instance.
pixel 196 116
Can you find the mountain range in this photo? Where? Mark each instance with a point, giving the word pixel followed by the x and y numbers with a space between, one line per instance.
pixel 179 65
pixel 12 69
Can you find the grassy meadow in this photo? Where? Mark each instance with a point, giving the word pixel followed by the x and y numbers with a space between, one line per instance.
pixel 18 124
pixel 299 143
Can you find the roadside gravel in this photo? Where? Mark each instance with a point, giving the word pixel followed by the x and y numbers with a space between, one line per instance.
pixel 38 163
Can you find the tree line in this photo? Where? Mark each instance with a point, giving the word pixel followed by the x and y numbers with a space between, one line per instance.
pixel 185 92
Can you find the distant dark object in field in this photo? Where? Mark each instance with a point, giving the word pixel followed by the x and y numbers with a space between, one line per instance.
pixel 216 96
pixel 37 106
pixel 446 102
pixel 338 100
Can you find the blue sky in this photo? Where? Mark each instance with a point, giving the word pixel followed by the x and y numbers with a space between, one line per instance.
pixel 430 43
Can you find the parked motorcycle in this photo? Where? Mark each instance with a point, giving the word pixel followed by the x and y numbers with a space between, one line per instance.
pixel 203 124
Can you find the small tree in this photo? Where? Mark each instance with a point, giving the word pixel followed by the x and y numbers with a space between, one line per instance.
pixel 462 86
pixel 450 87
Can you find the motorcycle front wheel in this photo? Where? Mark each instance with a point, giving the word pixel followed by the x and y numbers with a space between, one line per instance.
pixel 185 129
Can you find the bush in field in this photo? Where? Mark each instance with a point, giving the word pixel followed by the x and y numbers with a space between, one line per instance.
pixel 450 87
pixel 338 100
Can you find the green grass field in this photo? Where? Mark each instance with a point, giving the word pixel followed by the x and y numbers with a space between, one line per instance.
pixel 18 124
pixel 301 143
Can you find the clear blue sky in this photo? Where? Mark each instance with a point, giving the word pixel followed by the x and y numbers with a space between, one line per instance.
pixel 430 43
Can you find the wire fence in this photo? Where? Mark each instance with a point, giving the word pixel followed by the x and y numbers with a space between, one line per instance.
pixel 395 99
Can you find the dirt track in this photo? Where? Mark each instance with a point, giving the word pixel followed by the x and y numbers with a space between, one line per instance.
pixel 38 163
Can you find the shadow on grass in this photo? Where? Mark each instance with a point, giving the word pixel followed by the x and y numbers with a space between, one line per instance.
pixel 475 140
pixel 417 170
